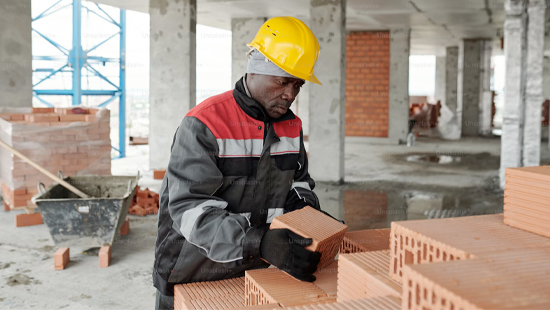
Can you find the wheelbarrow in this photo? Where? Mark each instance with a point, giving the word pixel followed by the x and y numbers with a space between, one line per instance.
pixel 86 222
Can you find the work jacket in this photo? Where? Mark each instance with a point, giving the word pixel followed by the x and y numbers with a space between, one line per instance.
pixel 232 169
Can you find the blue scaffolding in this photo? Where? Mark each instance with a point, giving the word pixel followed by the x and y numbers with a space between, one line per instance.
pixel 76 59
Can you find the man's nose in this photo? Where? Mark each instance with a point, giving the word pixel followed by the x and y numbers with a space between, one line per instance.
pixel 288 93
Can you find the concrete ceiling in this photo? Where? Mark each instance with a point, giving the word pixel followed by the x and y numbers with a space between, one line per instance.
pixel 434 24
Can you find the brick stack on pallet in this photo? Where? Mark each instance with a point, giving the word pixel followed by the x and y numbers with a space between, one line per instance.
pixel 527 199
pixel 56 139
pixel 327 233
pixel 145 202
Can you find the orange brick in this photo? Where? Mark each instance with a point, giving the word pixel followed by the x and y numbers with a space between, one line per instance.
pixel 159 174
pixel 72 118
pixel 104 256
pixel 43 110
pixel 61 258
pixel 327 233
pixel 24 219
pixel 41 118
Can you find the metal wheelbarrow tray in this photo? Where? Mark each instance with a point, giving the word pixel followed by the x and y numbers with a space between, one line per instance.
pixel 92 222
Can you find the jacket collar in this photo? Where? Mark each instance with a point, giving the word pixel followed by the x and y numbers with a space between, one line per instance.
pixel 253 108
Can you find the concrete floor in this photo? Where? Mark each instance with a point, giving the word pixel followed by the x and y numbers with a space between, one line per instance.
pixel 381 186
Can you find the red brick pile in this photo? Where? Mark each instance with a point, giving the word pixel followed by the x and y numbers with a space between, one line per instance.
pixel 56 139
pixel 145 202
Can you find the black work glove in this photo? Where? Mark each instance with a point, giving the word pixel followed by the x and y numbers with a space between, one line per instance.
pixel 298 198
pixel 286 250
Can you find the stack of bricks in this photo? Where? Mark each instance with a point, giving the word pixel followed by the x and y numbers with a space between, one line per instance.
pixel 145 202
pixel 56 139
pixel 365 241
pixel 327 279
pixel 438 240
pixel 527 199
pixel 327 233
pixel 212 295
pixel 512 279
pixel 367 83
pixel 273 286
pixel 365 275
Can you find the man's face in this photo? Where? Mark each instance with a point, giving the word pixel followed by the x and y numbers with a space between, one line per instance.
pixel 275 93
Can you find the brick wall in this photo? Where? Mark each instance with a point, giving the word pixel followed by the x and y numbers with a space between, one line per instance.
pixel 367 83
pixel 365 210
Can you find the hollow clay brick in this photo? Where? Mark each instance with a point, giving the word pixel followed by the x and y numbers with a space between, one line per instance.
pixel 259 307
pixel 42 118
pixel 327 233
pixel 125 228
pixel 327 279
pixel 104 256
pixel 72 118
pixel 61 258
pixel 365 275
pixel 379 303
pixel 223 294
pixel 43 110
pixel 512 279
pixel 436 240
pixel 527 200
pixel 24 219
pixel 366 240
pixel 159 174
pixel 273 286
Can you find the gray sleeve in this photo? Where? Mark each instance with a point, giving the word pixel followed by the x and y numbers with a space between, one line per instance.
pixel 301 176
pixel 193 177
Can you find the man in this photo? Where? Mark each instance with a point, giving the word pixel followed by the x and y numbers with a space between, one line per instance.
pixel 238 161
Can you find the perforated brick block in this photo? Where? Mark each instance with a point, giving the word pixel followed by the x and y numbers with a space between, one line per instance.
pixel 379 303
pixel 327 279
pixel 273 286
pixel 515 279
pixel 527 199
pixel 327 233
pixel 436 240
pixel 223 294
pixel 259 307
pixel 365 275
pixel 365 240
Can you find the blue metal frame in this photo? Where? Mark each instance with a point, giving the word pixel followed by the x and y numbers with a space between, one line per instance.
pixel 76 59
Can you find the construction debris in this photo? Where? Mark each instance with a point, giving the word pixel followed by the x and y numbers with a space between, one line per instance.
pixel 145 202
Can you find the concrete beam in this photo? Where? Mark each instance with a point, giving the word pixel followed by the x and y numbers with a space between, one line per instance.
pixel 513 114
pixel 469 63
pixel 400 43
pixel 243 30
pixel 440 88
pixel 327 116
pixel 534 96
pixel 172 73
pixel 485 93
pixel 15 53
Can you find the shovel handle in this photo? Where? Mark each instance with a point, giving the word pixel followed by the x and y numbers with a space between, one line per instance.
pixel 44 171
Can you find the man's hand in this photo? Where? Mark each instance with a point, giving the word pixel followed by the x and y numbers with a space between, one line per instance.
pixel 286 251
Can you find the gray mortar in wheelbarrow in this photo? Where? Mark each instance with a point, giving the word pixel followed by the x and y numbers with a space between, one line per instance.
pixel 91 222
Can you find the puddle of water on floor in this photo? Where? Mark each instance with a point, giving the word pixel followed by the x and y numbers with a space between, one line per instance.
pixel 367 207
pixel 438 159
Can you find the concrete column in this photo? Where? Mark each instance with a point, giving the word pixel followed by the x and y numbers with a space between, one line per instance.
pixel 400 40
pixel 327 116
pixel 514 51
pixel 243 30
pixel 451 77
pixel 534 96
pixel 485 94
pixel 172 73
pixel 440 88
pixel 469 61
pixel 15 53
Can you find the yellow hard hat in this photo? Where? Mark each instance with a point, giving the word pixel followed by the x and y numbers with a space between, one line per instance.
pixel 290 44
